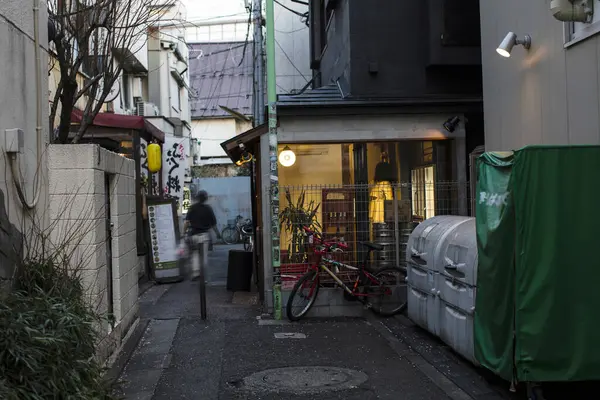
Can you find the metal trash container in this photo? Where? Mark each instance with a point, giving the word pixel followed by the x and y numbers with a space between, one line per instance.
pixel 239 271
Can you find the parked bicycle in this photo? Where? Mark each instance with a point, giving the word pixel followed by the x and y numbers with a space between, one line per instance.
pixel 248 236
pixel 375 290
pixel 241 231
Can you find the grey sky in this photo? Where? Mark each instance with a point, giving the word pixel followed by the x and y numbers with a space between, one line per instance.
pixel 198 10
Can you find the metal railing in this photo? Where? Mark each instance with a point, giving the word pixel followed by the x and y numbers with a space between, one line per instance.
pixel 382 213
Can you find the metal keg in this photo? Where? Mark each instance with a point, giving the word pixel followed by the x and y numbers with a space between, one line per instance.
pixel 404 231
pixel 384 236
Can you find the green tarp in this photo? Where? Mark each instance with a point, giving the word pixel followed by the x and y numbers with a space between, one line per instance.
pixel 539 264
pixel 495 244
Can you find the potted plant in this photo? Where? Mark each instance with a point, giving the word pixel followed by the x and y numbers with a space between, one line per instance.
pixel 293 218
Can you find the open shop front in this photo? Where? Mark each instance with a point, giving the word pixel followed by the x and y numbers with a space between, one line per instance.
pixel 359 191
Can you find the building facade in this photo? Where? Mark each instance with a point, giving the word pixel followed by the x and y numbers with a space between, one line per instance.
pixel 547 94
pixel 222 78
pixel 379 137
pixel 25 108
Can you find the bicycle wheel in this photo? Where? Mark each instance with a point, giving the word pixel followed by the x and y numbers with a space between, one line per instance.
pixel 247 243
pixel 309 281
pixel 230 235
pixel 389 297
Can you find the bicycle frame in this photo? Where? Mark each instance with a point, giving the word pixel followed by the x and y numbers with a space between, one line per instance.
pixel 328 261
pixel 322 263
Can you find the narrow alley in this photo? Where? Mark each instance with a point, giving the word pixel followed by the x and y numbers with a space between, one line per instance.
pixel 239 354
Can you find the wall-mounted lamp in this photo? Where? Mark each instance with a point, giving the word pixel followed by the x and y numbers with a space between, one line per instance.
pixel 287 157
pixel 245 158
pixel 510 40
pixel 451 124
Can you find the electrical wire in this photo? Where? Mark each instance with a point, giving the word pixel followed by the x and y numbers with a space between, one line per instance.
pixel 304 16
pixel 290 60
pixel 215 17
pixel 219 81
pixel 290 32
pixel 247 35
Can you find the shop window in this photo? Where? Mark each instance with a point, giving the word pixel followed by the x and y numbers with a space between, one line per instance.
pixel 423 192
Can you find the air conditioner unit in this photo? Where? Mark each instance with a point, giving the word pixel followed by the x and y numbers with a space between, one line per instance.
pixel 144 109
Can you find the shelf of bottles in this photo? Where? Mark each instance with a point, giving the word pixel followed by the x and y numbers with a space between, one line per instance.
pixel 338 219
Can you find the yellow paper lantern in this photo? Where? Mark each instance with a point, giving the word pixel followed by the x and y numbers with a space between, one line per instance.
pixel 154 158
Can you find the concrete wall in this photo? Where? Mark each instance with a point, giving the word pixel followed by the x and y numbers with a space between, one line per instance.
pixel 229 197
pixel 162 86
pixel 17 110
pixel 547 95
pixel 212 132
pixel 364 128
pixel 78 178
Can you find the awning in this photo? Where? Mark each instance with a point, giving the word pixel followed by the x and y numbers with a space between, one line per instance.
pixel 121 121
pixel 232 146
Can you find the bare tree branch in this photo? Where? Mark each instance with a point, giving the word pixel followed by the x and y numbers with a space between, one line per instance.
pixel 96 39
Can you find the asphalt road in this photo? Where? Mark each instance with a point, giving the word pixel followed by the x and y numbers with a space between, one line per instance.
pixel 240 354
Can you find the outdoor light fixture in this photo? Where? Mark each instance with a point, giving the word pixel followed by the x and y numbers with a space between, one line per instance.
pixel 287 158
pixel 451 124
pixel 509 42
pixel 245 158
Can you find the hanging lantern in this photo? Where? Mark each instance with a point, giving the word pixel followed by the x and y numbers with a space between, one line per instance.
pixel 287 158
pixel 154 158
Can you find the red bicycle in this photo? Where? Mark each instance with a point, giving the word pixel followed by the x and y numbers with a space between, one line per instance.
pixel 383 291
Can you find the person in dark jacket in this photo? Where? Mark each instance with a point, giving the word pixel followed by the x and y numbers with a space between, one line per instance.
pixel 200 219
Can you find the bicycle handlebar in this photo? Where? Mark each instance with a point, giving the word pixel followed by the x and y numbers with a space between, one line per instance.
pixel 328 244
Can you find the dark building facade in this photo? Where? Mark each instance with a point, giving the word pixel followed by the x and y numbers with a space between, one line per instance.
pixel 389 48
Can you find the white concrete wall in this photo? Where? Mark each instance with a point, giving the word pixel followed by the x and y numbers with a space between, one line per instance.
pixel 546 95
pixel 78 204
pixel 212 132
pixel 364 128
pixel 18 110
pixel 163 89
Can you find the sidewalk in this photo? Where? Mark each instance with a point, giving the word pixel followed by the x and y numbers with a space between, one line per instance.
pixel 233 354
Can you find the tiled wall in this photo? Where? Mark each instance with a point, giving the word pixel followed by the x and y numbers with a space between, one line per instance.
pixel 78 178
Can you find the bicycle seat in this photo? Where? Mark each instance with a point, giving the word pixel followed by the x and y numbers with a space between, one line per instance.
pixel 372 246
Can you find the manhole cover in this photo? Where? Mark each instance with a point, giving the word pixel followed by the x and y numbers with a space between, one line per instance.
pixel 305 379
pixel 290 335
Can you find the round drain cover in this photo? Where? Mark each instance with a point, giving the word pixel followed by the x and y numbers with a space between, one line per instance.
pixel 305 379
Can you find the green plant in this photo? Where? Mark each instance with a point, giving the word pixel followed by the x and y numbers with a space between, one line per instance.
pixel 48 338
pixel 294 217
pixel 49 326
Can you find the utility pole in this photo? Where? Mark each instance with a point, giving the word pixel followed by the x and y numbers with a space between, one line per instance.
pixel 259 70
pixel 273 173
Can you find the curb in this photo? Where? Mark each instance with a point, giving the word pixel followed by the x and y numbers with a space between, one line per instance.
pixel 127 348
pixel 450 388
pixel 488 392
pixel 144 285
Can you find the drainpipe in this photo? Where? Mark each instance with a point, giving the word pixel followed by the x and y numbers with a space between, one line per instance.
pixel 168 82
pixel 38 120
pixel 568 11
pixel 273 173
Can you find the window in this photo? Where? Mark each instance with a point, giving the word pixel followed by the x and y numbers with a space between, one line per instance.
pixel 578 31
pixel 126 94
